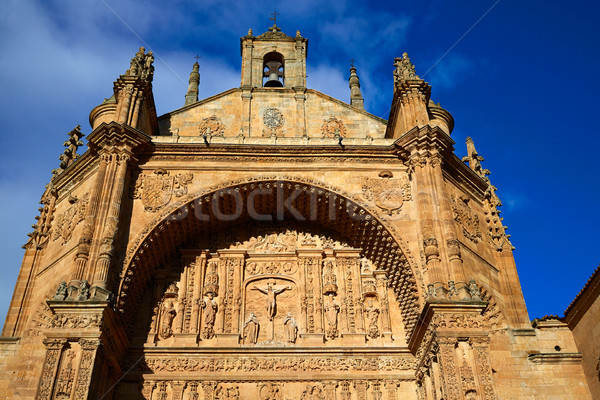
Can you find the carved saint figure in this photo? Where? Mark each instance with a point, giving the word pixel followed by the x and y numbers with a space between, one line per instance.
pixel 167 319
pixel 271 290
pixel 373 315
pixel 291 328
pixel 251 328
pixel 210 311
pixel 332 310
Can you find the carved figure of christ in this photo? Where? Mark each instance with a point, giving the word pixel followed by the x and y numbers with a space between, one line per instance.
pixel 271 290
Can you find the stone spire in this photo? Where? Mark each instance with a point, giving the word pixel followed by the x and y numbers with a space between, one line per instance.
pixel 356 99
pixel 192 91
pixel 496 230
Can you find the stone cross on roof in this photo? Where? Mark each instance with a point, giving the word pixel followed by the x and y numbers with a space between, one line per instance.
pixel 274 18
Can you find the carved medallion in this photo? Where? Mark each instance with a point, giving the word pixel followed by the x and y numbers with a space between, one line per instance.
pixel 211 126
pixel 68 220
pixel 387 193
pixel 273 118
pixel 270 391
pixel 333 127
pixel 155 190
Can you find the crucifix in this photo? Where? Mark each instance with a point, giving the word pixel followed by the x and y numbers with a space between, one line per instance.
pixel 197 57
pixel 352 61
pixel 272 290
pixel 274 18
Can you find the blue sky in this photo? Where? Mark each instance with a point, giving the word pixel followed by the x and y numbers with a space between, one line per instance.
pixel 523 83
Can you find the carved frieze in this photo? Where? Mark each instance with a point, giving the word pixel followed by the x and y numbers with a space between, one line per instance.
pixel 387 193
pixel 70 218
pixel 268 364
pixel 156 189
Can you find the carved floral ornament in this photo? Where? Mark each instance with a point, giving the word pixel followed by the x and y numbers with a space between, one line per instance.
pixel 156 189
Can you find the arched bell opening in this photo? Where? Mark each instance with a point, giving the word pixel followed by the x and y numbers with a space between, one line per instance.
pixel 273 206
pixel 273 70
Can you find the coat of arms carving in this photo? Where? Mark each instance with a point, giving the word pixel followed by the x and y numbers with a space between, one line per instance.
pixel 466 218
pixel 67 221
pixel 156 189
pixel 211 126
pixel 387 193
pixel 333 127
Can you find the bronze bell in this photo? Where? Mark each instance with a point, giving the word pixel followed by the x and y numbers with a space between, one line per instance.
pixel 273 72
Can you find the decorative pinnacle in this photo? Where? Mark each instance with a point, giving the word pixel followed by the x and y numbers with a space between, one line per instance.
pixel 70 154
pixel 405 70
pixel 141 65
pixel 474 160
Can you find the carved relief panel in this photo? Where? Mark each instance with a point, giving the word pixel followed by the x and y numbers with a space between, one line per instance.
pixel 272 287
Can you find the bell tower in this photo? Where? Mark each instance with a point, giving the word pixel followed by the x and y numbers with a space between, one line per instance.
pixel 273 60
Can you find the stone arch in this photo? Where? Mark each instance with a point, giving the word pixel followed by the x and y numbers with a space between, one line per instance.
pixel 194 216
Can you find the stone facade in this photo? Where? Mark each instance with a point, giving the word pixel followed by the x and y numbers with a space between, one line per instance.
pixel 272 242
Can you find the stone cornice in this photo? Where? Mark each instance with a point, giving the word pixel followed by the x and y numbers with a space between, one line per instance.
pixel 119 135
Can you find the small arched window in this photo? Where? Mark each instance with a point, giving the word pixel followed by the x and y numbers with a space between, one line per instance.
pixel 273 70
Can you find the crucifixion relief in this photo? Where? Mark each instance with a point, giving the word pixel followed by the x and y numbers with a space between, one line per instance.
pixel 271 291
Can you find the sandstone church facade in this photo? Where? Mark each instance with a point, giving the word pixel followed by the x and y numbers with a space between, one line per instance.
pixel 274 243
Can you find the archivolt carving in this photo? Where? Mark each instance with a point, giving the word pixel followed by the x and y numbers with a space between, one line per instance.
pixel 380 241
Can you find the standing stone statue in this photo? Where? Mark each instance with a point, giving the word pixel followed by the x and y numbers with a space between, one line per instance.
pixel 210 312
pixel 251 328
pixel 271 291
pixel 166 329
pixel 291 328
pixel 331 315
